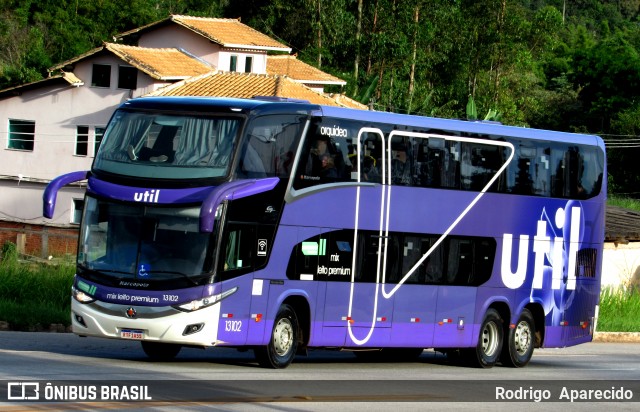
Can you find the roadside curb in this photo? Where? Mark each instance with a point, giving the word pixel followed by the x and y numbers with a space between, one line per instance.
pixel 617 337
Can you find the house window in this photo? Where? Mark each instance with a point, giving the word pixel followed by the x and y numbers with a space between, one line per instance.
pixel 76 213
pixel 98 134
pixel 21 134
pixel 82 140
pixel 101 75
pixel 233 63
pixel 127 77
pixel 248 62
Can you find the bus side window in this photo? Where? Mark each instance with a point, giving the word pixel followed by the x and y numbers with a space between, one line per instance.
pixel 422 163
pixel 269 150
pixel 252 165
pixel 460 267
pixel 238 249
pixel 411 254
pixel 302 263
pixel 367 269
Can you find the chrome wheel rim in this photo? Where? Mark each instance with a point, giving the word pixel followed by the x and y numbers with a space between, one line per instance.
pixel 522 337
pixel 490 339
pixel 283 337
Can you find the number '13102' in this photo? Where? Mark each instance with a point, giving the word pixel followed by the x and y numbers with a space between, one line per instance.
pixel 233 325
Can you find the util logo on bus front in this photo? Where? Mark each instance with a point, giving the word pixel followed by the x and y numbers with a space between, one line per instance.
pixel 549 250
pixel 147 196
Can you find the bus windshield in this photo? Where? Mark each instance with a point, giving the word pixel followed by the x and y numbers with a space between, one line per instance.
pixel 144 243
pixel 154 145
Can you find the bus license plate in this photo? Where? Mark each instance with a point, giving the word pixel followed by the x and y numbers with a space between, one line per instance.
pixel 131 334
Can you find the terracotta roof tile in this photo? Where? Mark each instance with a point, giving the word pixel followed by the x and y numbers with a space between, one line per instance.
pixel 245 85
pixel 229 32
pixel 162 64
pixel 299 70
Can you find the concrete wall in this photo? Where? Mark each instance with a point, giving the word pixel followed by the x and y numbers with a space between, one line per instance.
pixel 621 264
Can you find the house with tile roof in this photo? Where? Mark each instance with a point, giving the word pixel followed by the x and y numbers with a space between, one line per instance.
pixel 248 85
pixel 301 72
pixel 55 125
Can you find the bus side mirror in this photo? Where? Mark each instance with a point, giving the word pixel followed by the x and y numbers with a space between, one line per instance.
pixel 51 191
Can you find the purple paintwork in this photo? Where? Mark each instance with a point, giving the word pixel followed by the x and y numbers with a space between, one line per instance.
pixel 137 194
pixel 51 191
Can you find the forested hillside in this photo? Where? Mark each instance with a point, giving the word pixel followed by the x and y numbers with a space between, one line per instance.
pixel 570 65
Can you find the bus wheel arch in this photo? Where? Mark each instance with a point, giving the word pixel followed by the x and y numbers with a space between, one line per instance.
pixel 300 306
pixel 538 317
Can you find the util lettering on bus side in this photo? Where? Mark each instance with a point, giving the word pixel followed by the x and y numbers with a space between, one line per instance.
pixel 542 246
pixel 147 196
pixel 335 131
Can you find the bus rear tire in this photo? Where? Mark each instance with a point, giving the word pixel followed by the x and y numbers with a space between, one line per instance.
pixel 283 343
pixel 487 351
pixel 520 342
pixel 160 351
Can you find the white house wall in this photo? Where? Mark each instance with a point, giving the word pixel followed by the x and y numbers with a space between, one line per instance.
pixel 57 109
pixel 621 264
pixel 22 202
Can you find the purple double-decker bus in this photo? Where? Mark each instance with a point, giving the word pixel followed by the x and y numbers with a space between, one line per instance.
pixel 284 226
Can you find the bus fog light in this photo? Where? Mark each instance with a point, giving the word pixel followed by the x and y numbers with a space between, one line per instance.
pixel 79 319
pixel 191 329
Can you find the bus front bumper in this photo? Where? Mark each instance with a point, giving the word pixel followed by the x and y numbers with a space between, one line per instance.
pixel 161 324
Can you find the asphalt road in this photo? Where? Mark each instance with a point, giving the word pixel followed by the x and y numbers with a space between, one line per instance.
pixel 225 379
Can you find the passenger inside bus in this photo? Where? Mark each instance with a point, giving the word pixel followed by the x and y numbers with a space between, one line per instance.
pixel 401 172
pixel 325 162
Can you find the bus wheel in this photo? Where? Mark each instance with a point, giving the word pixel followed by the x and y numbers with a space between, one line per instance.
pixel 520 342
pixel 160 351
pixel 487 351
pixel 281 350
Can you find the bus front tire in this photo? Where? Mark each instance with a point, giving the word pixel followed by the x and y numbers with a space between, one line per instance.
pixel 520 342
pixel 283 343
pixel 160 351
pixel 487 351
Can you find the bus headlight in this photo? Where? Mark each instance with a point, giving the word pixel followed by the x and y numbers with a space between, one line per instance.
pixel 81 296
pixel 205 302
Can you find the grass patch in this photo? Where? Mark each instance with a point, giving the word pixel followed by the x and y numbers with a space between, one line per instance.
pixel 625 202
pixel 33 294
pixel 619 310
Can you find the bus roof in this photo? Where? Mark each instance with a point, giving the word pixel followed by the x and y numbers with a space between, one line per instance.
pixel 268 105
pixel 476 127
